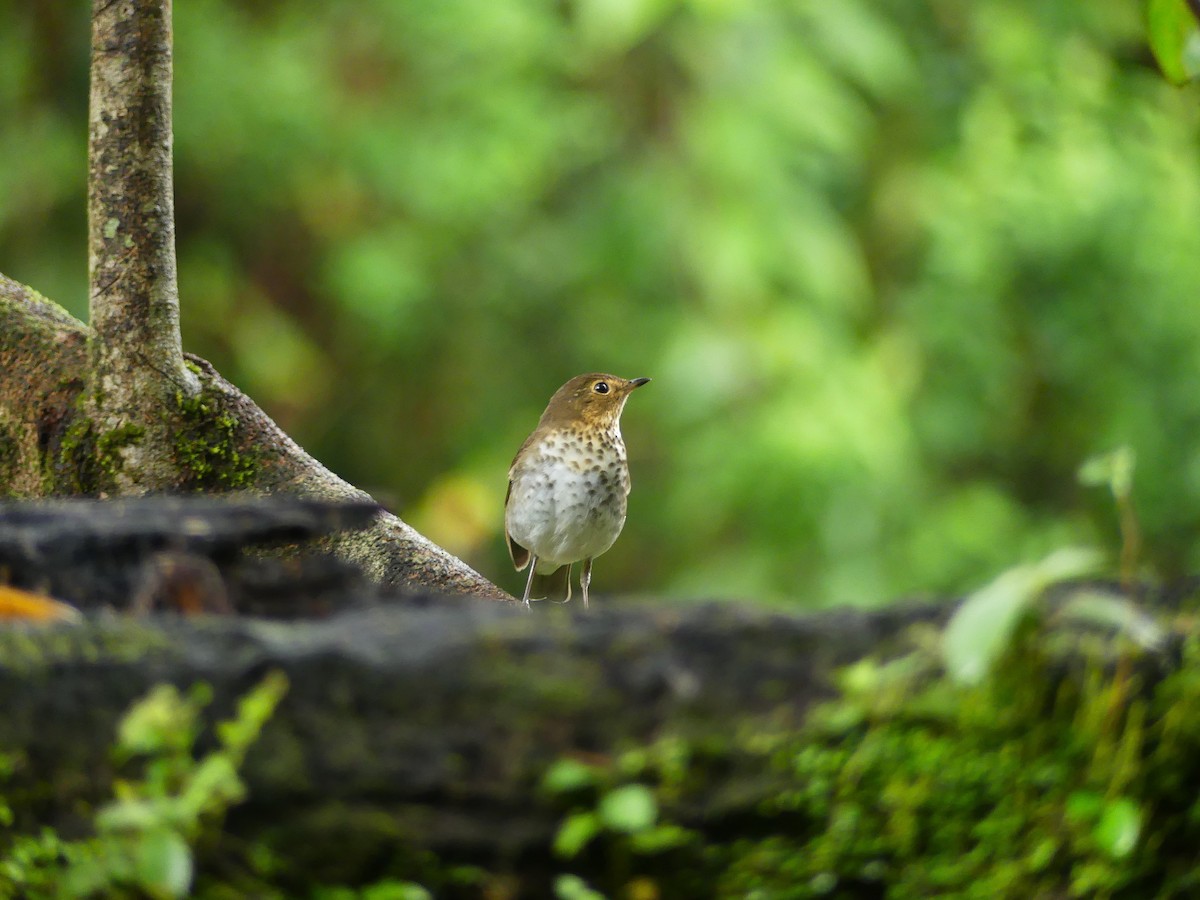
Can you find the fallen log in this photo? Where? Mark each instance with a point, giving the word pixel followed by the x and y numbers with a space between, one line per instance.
pixel 418 730
pixel 424 726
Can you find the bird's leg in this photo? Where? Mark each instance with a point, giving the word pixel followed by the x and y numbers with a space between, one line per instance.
pixel 568 597
pixel 529 580
pixel 585 579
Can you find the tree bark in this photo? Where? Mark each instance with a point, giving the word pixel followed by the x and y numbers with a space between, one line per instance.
pixel 137 363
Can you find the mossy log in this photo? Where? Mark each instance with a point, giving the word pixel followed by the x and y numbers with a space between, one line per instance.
pixel 419 730
pixel 425 726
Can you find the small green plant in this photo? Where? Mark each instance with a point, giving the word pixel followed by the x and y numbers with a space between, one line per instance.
pixel 144 836
pixel 1175 38
pixel 613 812
pixel 626 811
pixel 381 890
pixel 983 626
pixel 572 887
pixel 1024 783
pixel 1114 470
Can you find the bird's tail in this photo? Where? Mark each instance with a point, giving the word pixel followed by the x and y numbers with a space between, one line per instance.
pixel 554 585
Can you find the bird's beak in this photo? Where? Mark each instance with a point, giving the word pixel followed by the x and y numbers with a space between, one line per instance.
pixel 638 382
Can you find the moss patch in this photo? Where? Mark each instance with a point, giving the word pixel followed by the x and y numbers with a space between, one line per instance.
pixel 1062 775
pixel 109 445
pixel 37 654
pixel 207 448
pixel 72 466
pixel 83 461
pixel 10 458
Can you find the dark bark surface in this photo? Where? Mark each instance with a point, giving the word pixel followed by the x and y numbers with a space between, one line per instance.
pixel 183 553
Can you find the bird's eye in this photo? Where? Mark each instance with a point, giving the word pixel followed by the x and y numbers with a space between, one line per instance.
pixel 600 387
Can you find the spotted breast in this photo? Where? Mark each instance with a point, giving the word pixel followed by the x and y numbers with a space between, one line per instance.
pixel 569 495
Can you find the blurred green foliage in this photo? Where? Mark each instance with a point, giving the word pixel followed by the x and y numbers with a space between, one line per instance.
pixel 145 836
pixel 896 269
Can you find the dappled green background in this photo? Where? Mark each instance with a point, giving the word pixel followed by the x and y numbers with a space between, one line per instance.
pixel 896 268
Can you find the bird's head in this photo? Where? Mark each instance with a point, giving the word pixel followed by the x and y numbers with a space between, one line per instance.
pixel 594 399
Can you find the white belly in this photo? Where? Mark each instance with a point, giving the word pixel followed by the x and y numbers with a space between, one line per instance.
pixel 564 511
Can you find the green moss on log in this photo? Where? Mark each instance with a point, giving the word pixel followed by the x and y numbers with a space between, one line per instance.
pixel 1059 776
pixel 38 653
pixel 1073 770
pixel 206 446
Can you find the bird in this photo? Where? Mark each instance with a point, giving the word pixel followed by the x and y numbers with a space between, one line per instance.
pixel 568 485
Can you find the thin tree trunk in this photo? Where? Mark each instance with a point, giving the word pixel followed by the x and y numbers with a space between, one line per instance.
pixel 136 353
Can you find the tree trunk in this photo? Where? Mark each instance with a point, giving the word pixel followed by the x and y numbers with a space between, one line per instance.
pixel 426 727
pixel 137 364
pixel 120 409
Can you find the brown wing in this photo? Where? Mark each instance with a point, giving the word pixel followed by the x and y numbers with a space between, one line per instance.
pixel 518 554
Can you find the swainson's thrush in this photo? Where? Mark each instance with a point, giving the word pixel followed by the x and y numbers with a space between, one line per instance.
pixel 568 484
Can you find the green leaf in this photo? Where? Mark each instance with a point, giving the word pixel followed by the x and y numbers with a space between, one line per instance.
pixel 1095 608
pixel 575 833
pixel 1119 828
pixel 1113 469
pixel 628 809
pixel 161 720
pixel 660 838
pixel 567 775
pixel 253 710
pixel 1084 806
pixel 164 864
pixel 89 871
pixel 860 678
pixel 214 784
pixel 1175 39
pixel 130 815
pixel 395 890
pixel 981 628
pixel 572 887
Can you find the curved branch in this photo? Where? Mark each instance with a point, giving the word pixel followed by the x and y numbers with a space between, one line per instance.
pixel 45 448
